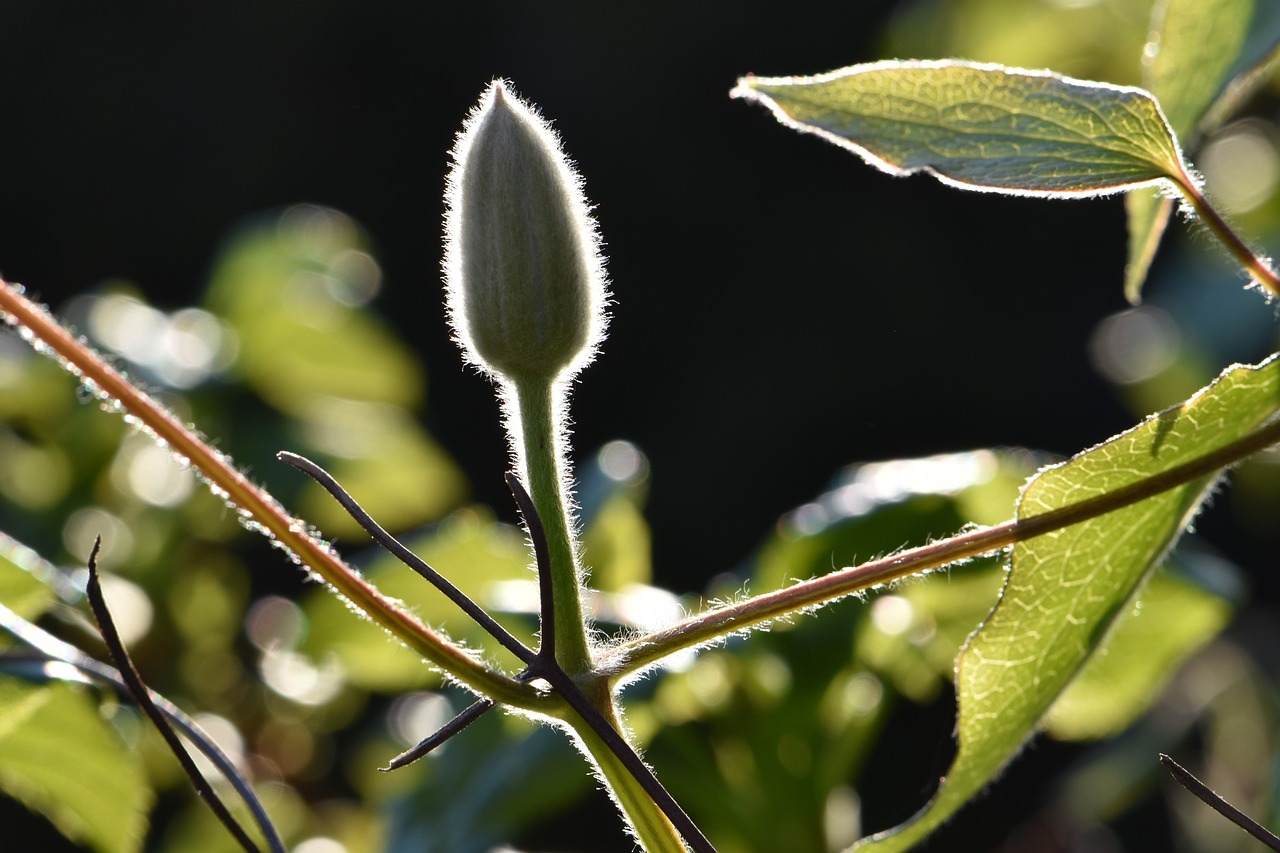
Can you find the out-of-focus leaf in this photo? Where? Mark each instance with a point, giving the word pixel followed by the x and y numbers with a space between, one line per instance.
pixel 1096 41
pixel 196 830
pixel 1065 589
pixel 294 287
pixel 617 545
pixel 290 290
pixel 22 579
pixel 1173 619
pixel 877 507
pixel 982 127
pixel 1195 48
pixel 59 758
pixel 477 554
pixel 913 633
pixel 401 476
pixel 1148 213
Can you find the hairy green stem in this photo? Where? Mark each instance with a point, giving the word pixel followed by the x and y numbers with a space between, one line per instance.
pixel 1258 268
pixel 289 532
pixel 712 625
pixel 653 830
pixel 543 464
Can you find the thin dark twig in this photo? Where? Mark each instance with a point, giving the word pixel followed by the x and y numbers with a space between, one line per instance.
pixel 404 555
pixel 138 690
pixel 469 715
pixel 1215 801
pixel 546 594
pixel 56 651
pixel 546 650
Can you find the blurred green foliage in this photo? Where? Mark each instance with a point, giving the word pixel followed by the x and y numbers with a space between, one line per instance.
pixel 767 742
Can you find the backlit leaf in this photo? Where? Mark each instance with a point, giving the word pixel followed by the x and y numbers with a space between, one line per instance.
pixel 1174 618
pixel 22 575
pixel 59 758
pixel 984 127
pixel 1193 51
pixel 1065 589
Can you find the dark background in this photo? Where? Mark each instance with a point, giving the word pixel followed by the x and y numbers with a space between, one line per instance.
pixel 781 309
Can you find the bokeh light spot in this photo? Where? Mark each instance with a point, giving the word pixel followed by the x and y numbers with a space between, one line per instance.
pixel 131 609
pixel 623 462
pixel 1240 165
pixel 892 614
pixel 1135 345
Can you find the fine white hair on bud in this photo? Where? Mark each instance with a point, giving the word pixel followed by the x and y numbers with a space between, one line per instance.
pixel 524 277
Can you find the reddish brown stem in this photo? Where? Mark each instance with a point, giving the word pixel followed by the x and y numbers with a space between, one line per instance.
pixel 289 532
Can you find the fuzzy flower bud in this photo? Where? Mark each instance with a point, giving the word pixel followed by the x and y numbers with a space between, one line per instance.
pixel 524 277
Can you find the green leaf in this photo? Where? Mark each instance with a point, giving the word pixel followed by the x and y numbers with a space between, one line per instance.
pixel 1065 589
pixel 22 575
pixel 292 288
pixel 1173 619
pixel 1194 49
pixel 983 127
pixel 1148 214
pixel 767 734
pixel 59 758
pixel 382 454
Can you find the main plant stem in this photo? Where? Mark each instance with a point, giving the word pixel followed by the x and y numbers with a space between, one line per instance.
pixel 654 832
pixel 544 469
pixel 541 456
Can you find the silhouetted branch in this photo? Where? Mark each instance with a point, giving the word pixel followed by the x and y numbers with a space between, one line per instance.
pixel 142 696
pixel 55 655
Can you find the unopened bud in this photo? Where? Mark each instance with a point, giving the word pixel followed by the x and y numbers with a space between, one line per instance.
pixel 524 277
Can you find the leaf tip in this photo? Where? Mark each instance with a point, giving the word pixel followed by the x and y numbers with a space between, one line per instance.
pixel 745 87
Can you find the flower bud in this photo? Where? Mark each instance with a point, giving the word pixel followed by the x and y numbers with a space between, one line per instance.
pixel 524 277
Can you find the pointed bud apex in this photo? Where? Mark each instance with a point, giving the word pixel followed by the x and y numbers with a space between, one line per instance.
pixel 524 277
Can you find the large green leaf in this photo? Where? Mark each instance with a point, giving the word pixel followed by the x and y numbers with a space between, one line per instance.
pixel 1174 618
pixel 982 127
pixel 1194 50
pixel 60 758
pixel 1065 589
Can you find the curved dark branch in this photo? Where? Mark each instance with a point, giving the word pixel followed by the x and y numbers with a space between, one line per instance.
pixel 142 696
pixel 404 555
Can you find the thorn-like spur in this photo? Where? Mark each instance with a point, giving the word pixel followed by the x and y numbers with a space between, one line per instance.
pixel 469 715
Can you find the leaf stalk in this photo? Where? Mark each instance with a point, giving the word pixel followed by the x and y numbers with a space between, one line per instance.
pixel 1257 267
